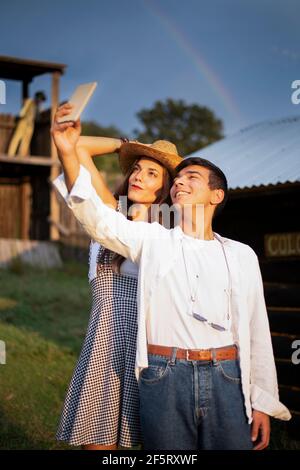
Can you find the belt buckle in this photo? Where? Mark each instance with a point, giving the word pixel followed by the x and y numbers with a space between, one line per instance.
pixel 187 356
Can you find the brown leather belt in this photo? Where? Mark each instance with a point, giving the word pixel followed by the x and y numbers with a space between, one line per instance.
pixel 221 354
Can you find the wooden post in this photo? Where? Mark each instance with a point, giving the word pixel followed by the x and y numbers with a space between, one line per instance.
pixel 54 207
pixel 25 190
pixel 25 90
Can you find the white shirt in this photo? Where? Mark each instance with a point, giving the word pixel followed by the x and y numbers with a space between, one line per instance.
pixel 156 250
pixel 170 321
pixel 175 326
pixel 127 268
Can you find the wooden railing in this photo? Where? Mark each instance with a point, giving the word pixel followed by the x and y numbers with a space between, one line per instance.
pixel 7 124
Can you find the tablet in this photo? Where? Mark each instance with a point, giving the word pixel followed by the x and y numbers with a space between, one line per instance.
pixel 79 100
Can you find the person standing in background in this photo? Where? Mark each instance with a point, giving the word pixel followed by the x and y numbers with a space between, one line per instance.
pixel 21 139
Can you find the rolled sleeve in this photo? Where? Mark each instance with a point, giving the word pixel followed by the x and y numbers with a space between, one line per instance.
pixel 81 190
pixel 104 224
pixel 267 403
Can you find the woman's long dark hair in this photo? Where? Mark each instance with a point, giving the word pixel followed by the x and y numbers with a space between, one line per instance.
pixel 163 197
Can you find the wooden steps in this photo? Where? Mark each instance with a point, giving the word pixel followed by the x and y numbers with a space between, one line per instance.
pixel 282 345
pixel 285 320
pixel 290 396
pixel 288 373
pixel 283 301
pixel 280 294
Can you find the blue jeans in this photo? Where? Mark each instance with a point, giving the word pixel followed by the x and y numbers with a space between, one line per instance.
pixel 191 405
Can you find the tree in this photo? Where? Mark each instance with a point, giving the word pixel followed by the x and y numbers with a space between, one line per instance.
pixel 108 164
pixel 189 127
pixel 94 129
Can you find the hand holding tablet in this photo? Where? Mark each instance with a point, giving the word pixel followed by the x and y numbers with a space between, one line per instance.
pixel 78 100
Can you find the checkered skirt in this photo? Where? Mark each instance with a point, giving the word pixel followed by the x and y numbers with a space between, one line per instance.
pixel 102 402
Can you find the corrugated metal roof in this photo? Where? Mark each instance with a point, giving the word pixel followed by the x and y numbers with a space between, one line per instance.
pixel 263 154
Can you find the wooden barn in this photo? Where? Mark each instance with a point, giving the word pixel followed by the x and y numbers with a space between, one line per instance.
pixel 32 219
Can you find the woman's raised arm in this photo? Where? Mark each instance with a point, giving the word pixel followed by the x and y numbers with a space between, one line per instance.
pixel 86 149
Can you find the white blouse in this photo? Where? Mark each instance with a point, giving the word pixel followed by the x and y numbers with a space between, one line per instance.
pixel 128 268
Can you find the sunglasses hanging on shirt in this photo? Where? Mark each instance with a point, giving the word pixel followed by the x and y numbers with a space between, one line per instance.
pixel 196 315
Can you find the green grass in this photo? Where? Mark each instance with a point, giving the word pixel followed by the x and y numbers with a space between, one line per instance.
pixel 43 319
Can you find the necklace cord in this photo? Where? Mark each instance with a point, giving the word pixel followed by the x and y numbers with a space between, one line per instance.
pixel 193 296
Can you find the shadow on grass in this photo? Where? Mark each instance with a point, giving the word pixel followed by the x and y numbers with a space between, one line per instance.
pixel 14 437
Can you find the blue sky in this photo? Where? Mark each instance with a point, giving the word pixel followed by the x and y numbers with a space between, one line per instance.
pixel 238 57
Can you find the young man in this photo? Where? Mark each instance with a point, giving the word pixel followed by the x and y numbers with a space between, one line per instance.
pixel 204 358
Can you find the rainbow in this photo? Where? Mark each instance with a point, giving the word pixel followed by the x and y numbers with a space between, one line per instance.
pixel 196 58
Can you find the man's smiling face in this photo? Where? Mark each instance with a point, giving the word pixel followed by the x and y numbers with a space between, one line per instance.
pixel 191 186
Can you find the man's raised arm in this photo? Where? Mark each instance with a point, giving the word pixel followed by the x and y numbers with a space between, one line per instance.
pixel 103 224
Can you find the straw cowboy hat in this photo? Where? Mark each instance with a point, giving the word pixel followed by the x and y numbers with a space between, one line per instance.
pixel 162 150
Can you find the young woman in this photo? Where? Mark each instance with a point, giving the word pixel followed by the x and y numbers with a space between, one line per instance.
pixel 101 409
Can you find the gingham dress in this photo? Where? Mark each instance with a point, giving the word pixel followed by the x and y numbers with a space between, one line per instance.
pixel 102 403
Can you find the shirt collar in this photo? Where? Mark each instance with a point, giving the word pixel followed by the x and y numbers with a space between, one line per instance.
pixel 179 232
pixel 220 238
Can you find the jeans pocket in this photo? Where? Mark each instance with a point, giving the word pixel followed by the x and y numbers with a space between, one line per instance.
pixel 154 373
pixel 230 370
